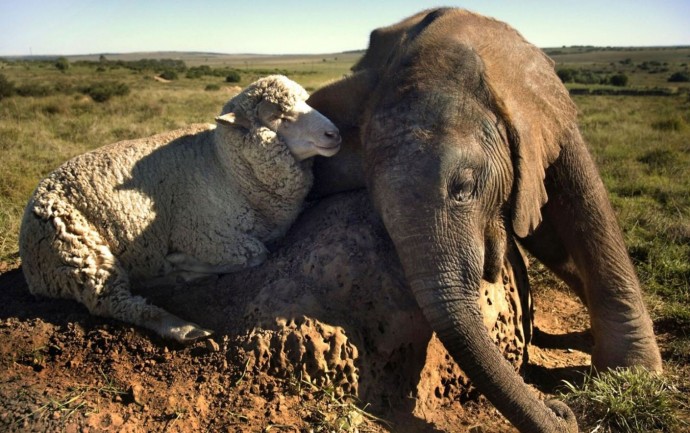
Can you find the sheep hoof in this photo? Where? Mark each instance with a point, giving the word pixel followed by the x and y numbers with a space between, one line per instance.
pixel 180 330
pixel 189 333
pixel 197 334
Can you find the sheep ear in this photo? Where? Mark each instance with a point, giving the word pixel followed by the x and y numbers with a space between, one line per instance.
pixel 268 111
pixel 233 120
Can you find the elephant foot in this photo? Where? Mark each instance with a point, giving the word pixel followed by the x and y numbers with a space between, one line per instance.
pixel 639 353
pixel 564 414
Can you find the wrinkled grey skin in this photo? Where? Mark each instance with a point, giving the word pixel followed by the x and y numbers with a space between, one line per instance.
pixel 464 136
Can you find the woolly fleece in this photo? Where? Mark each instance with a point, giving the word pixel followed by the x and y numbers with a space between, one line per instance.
pixel 130 210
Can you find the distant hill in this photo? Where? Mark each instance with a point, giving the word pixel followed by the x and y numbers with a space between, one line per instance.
pixel 590 54
pixel 193 58
pixel 562 55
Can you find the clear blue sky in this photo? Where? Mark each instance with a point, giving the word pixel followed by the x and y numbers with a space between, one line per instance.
pixel 311 26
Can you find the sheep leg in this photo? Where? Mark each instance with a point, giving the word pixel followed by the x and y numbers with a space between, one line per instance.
pixel 247 252
pixel 68 258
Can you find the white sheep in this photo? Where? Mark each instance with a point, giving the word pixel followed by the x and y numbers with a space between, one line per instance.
pixel 196 201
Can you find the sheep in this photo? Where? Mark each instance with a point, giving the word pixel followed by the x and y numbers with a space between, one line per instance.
pixel 198 201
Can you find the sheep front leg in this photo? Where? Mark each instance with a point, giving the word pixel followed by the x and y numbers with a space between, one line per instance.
pixel 64 256
pixel 244 252
pixel 121 304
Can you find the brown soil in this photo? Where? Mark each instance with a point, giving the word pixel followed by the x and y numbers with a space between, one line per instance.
pixel 326 318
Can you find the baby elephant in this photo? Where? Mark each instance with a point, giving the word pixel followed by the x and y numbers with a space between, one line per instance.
pixel 192 202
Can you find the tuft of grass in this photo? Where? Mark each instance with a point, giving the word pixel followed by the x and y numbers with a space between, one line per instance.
pixel 338 413
pixel 675 123
pixel 627 400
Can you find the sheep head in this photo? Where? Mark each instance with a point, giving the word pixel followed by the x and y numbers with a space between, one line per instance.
pixel 279 104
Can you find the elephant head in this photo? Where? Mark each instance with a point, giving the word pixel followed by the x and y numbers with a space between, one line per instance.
pixel 465 132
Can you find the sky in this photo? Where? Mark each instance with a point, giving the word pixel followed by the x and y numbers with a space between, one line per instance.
pixel 67 27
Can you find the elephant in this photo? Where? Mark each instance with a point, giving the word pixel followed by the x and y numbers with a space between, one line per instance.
pixel 466 140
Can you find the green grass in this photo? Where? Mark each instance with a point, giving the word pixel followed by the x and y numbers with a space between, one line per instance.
pixel 640 143
pixel 37 134
pixel 624 400
pixel 642 148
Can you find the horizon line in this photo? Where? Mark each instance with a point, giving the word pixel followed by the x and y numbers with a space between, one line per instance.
pixel 217 53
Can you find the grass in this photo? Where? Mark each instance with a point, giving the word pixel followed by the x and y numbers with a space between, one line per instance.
pixel 332 412
pixel 79 399
pixel 625 400
pixel 640 143
pixel 642 148
pixel 37 134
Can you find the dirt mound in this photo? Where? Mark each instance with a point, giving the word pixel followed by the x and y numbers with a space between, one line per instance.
pixel 333 308
pixel 327 317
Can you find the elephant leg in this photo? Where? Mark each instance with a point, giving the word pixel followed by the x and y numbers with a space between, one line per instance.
pixel 580 239
pixel 546 246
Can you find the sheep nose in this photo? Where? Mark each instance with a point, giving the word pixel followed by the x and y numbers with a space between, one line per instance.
pixel 333 135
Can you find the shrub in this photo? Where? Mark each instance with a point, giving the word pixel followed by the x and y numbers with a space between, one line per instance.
pixel 620 80
pixel 679 77
pixel 101 92
pixel 233 77
pixel 582 76
pixel 35 90
pixel 6 87
pixel 212 87
pixel 169 75
pixel 199 71
pixel 566 75
pixel 62 64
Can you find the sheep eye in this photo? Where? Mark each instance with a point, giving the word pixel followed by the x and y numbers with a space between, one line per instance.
pixel 462 187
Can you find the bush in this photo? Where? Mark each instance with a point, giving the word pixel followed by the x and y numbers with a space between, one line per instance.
pixel 233 77
pixel 581 76
pixel 679 77
pixel 199 71
pixel 62 64
pixel 620 80
pixel 566 75
pixel 35 90
pixel 101 92
pixel 169 75
pixel 6 87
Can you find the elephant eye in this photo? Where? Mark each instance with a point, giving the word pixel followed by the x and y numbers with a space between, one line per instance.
pixel 462 187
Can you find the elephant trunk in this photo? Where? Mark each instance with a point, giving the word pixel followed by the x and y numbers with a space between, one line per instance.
pixel 447 289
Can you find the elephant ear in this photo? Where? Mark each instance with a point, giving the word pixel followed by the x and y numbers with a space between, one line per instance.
pixel 535 105
pixel 532 100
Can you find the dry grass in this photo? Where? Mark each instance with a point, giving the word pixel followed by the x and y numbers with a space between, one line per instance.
pixel 641 144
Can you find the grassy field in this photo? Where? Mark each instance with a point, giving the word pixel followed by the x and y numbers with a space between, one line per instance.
pixel 59 120
pixel 641 143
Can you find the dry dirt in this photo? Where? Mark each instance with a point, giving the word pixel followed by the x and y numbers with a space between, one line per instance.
pixel 327 317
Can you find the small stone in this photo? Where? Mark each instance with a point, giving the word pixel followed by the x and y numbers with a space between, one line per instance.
pixel 136 393
pixel 212 346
